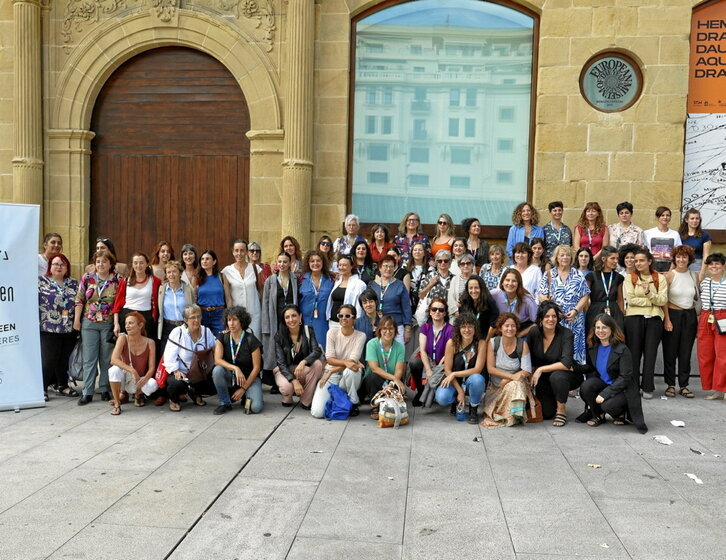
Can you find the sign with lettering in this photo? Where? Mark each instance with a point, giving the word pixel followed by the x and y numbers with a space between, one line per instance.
pixel 707 70
pixel 611 82
pixel 21 377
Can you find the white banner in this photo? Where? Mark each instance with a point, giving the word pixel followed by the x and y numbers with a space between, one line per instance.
pixel 704 173
pixel 21 376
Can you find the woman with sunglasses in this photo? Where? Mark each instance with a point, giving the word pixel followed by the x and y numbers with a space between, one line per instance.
pixel 438 281
pixel 261 268
pixel 711 343
pixel 343 350
pixel 386 363
pixel 444 237
pixel 325 246
pixel 467 268
pixel 393 298
pixel 432 339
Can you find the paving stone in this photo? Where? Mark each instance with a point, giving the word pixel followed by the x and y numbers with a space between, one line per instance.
pixel 330 549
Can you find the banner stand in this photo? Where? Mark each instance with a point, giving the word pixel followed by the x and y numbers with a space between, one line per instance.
pixel 21 375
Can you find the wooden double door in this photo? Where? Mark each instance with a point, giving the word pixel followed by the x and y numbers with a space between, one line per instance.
pixel 170 159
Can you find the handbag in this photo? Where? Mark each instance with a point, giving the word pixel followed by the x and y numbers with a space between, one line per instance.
pixel 534 411
pixel 392 411
pixel 338 406
pixel 422 310
pixel 721 326
pixel 75 362
pixel 202 363
pixel 161 375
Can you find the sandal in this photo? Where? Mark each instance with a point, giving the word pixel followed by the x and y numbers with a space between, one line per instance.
pixel 670 391
pixel 115 411
pixel 488 423
pixel 619 421
pixel 686 392
pixel 199 401
pixel 139 401
pixel 560 420
pixel 174 406
pixel 596 421
pixel 68 392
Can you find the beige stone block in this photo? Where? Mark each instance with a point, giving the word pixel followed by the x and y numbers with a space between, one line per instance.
pixel 647 196
pixel 658 138
pixel 193 23
pixel 331 55
pixel 672 109
pixel 333 7
pixel 331 83
pixel 329 190
pixel 6 187
pixel 645 110
pixel 664 20
pixel 608 194
pixel 330 164
pixel 645 50
pixel 604 22
pixel 558 80
pixel 58 188
pixel 603 137
pixel 593 3
pixel 586 166
pixel 553 4
pixel 667 80
pixel 633 166
pixel 189 36
pixel 266 217
pixel 669 167
pixel 549 166
pixel 551 109
pixel 562 138
pixel 567 191
pixel 331 138
pixel 327 216
pixel 674 49
pixel 264 190
pixel 333 27
pixel 570 22
pixel 554 51
pixel 583 48
pixel 331 110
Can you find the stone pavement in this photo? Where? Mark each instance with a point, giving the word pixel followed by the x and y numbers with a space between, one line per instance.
pixel 150 484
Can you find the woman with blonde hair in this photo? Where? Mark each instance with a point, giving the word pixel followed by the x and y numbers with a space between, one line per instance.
pixel 444 238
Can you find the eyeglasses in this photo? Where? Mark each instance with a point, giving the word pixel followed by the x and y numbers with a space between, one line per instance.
pixel 345 316
pixel 438 310
pixel 442 261
pixel 466 263
pixel 58 264
pixel 326 243
pixel 255 250
pixel 194 318
pixel 387 329
pixel 412 220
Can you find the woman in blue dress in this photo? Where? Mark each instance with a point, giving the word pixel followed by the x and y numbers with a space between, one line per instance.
pixel 566 286
pixel 212 292
pixel 316 284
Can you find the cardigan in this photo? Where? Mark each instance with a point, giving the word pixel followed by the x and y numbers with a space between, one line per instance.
pixel 268 314
pixel 120 301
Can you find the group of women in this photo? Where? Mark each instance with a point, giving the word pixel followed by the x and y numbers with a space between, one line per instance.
pixel 501 329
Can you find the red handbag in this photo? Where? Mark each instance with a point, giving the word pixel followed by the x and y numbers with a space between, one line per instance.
pixel 161 375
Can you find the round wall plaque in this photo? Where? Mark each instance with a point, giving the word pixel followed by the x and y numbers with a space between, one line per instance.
pixel 611 81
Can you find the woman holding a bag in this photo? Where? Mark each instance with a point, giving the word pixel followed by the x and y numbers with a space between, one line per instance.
pixel 386 364
pixel 464 362
pixel 179 355
pixel 132 363
pixel 432 339
pixel 711 335
pixel 298 359
pixel 238 362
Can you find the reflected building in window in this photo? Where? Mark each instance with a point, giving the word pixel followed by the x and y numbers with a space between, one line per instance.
pixel 441 119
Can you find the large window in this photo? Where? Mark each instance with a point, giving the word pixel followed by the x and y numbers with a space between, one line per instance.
pixel 457 75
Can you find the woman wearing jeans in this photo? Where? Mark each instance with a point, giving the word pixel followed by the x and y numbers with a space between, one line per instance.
pixel 647 293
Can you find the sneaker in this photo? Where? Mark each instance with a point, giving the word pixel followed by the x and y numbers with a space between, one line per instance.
pixel 647 396
pixel 222 408
pixel 355 411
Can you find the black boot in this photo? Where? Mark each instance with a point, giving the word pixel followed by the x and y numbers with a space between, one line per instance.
pixel 473 414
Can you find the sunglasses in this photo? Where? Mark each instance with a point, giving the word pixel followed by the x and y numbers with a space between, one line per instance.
pixel 438 310
pixel 345 316
pixel 326 244
pixel 466 263
pixel 255 251
pixel 441 261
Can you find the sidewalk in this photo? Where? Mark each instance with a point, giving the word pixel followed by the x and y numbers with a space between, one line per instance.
pixel 151 484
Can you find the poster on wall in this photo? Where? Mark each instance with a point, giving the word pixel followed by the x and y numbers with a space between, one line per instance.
pixel 704 173
pixel 21 379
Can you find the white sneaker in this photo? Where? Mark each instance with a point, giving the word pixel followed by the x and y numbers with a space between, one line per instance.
pixel 647 396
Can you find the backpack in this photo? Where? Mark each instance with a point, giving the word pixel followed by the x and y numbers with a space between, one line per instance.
pixel 338 406
pixel 518 350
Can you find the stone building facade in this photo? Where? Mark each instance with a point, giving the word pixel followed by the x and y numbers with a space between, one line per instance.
pixel 292 61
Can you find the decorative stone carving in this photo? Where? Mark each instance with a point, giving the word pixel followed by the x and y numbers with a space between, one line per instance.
pixel 80 12
pixel 165 9
pixel 259 10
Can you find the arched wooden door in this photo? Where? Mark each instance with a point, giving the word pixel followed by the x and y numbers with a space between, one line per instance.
pixel 170 160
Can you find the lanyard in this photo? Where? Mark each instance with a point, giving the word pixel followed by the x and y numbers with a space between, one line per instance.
pixel 467 353
pixel 296 347
pixel 59 289
pixel 437 336
pixel 513 305
pixel 383 295
pixel 712 293
pixel 100 289
pixel 234 351
pixel 557 233
pixel 386 356
pixel 607 289
pixel 285 289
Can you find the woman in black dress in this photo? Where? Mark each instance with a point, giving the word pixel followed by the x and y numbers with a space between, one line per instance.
pixel 605 293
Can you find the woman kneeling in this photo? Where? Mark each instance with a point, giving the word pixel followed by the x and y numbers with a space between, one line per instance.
pixel 132 363
pixel 510 368
pixel 611 386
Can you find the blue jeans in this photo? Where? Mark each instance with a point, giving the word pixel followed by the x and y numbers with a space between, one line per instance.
pixel 224 379
pixel 213 320
pixel 96 354
pixel 474 386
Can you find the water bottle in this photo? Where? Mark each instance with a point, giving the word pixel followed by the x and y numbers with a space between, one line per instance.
pixel 461 415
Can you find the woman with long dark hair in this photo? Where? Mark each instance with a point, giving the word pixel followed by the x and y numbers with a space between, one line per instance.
pixel 477 247
pixel 139 291
pixel 362 262
pixel 380 242
pixel 163 253
pixel 316 283
pixel 511 297
pixel 280 291
pixel 591 231
pixel 699 240
pixel 212 292
pixel 606 296
pixel 477 300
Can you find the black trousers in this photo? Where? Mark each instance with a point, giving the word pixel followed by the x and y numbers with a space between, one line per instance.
pixel 371 384
pixel 55 350
pixel 175 388
pixel 643 337
pixel 553 387
pixel 615 406
pixel 678 345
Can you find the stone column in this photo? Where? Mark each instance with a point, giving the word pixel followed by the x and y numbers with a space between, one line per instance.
pixel 28 114
pixel 297 164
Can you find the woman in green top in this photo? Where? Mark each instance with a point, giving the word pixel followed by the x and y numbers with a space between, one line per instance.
pixel 386 364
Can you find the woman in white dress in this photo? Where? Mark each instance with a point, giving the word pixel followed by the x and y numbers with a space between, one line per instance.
pixel 242 281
